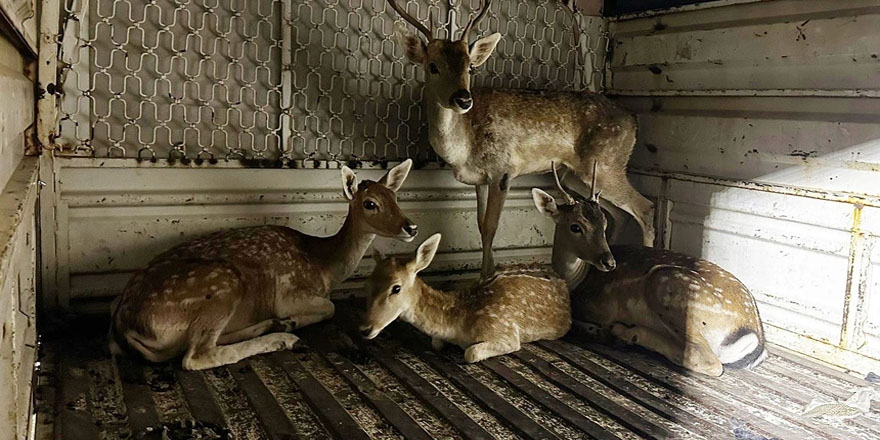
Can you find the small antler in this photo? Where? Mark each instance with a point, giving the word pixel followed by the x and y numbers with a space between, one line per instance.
pixel 428 34
pixel 568 198
pixel 594 193
pixel 474 20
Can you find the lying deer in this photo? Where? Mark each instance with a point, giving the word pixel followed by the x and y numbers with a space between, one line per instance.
pixel 215 298
pixel 494 317
pixel 691 311
pixel 490 137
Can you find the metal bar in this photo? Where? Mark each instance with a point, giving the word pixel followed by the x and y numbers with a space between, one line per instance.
pixel 47 73
pixel 430 395
pixel 334 417
pixel 409 428
pixel 559 408
pixel 271 416
pixel 74 419
pixel 142 415
pixel 661 372
pixel 620 385
pixel 832 196
pixel 496 404
pixel 708 402
pixel 199 398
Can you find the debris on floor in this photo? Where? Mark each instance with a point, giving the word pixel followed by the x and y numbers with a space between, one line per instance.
pixel 857 404
pixel 742 432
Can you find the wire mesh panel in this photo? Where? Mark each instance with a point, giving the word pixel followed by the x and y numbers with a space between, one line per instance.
pixel 285 79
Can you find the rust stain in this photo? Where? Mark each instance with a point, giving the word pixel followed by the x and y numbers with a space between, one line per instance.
pixel 853 275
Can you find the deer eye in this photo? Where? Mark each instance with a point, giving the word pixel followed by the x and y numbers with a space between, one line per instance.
pixel 433 68
pixel 370 205
pixel 576 229
pixel 395 289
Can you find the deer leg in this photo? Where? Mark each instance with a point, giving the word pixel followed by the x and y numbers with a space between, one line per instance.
pixel 246 333
pixel 496 197
pixel 305 311
pixel 203 351
pixel 482 200
pixel 437 344
pixel 691 351
pixel 617 190
pixel 206 354
pixel 484 350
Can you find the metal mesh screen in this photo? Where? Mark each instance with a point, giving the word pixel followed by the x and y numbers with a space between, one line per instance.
pixel 283 79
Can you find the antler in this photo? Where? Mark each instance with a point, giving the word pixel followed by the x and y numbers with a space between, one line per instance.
pixel 594 193
pixel 568 198
pixel 428 34
pixel 474 20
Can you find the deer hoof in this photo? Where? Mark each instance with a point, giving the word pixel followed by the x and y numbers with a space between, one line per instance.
pixel 472 355
pixel 286 341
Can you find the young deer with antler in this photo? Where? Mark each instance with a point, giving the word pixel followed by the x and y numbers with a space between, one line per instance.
pixel 691 311
pixel 518 305
pixel 215 298
pixel 489 137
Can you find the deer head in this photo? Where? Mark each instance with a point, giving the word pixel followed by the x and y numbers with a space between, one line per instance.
pixel 580 225
pixel 373 205
pixel 448 63
pixel 393 288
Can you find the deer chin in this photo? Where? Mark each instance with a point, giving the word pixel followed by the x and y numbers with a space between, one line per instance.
pixel 370 332
pixel 406 238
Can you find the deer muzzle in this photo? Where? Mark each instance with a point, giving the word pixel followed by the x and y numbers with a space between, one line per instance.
pixel 409 231
pixel 607 262
pixel 462 99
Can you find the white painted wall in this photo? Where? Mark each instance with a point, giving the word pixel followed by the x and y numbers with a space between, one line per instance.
pixel 18 197
pixel 760 127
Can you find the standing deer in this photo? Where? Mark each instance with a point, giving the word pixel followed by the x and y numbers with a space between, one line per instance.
pixel 214 298
pixel 494 317
pixel 490 137
pixel 691 311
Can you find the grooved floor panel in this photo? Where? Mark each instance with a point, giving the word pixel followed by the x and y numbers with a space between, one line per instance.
pixel 335 385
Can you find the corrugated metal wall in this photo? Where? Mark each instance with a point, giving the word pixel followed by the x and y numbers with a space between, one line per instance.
pixel 111 218
pixel 760 134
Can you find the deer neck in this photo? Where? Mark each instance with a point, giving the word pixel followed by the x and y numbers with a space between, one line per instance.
pixel 433 311
pixel 342 252
pixel 449 133
pixel 571 268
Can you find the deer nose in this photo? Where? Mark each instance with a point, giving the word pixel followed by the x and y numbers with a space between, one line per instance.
pixel 411 229
pixel 366 332
pixel 462 99
pixel 608 262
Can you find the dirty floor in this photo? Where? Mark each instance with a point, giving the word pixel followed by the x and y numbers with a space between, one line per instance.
pixel 335 386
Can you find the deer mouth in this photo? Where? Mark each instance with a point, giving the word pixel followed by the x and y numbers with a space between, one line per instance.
pixel 408 233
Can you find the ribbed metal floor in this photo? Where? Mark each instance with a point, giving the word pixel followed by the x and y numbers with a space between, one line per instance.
pixel 395 387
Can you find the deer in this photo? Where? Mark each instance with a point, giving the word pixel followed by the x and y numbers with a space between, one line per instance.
pixel 491 136
pixel 226 296
pixel 689 310
pixel 495 316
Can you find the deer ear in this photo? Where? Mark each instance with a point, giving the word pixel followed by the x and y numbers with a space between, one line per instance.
pixel 425 253
pixel 482 48
pixel 378 256
pixel 349 182
pixel 545 203
pixel 395 177
pixel 413 46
